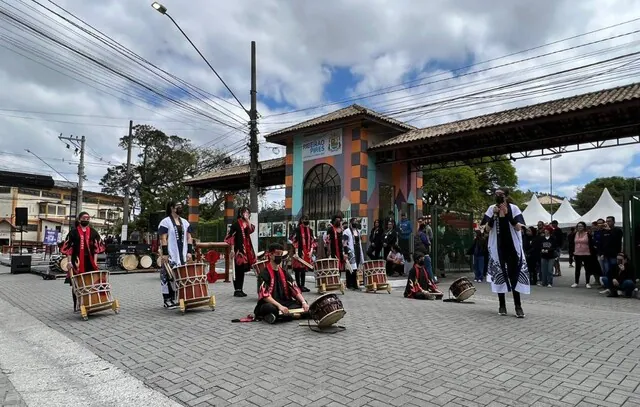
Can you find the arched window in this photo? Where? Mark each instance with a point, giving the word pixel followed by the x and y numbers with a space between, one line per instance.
pixel 322 192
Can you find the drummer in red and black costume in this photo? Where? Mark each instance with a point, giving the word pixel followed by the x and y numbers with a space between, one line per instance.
pixel 304 244
pixel 239 238
pixel 419 284
pixel 82 246
pixel 278 293
pixel 334 246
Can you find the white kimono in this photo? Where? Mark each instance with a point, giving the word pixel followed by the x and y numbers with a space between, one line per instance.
pixel 172 239
pixel 350 243
pixel 495 272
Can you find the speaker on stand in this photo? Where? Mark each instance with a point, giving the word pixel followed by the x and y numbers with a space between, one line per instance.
pixel 21 263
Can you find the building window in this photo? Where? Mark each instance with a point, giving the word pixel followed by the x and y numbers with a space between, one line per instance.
pixel 49 194
pixel 42 208
pixel 5 190
pixel 29 191
pixel 322 192
pixel 62 210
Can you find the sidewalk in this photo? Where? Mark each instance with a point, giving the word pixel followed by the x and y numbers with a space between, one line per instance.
pixel 41 367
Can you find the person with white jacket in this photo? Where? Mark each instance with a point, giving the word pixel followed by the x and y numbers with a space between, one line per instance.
pixel 353 248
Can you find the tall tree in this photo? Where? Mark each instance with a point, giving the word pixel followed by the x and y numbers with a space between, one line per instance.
pixel 590 193
pixel 162 164
pixel 465 187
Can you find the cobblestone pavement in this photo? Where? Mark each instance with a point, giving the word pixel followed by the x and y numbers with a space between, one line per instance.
pixel 575 348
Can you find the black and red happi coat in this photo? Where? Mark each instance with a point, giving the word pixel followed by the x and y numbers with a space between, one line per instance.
pixel 334 246
pixel 239 237
pixel 419 281
pixel 277 284
pixel 82 246
pixel 303 242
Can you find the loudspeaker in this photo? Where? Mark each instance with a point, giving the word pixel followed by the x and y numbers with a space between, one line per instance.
pixel 154 221
pixel 22 216
pixel 20 264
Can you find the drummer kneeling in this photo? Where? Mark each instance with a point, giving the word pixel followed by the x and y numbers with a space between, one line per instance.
pixel 279 298
pixel 420 286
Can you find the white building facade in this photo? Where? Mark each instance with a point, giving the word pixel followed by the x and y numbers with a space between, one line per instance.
pixel 53 209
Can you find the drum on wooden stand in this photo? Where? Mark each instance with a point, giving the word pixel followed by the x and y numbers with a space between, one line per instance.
pixel 375 276
pixel 93 291
pixel 326 310
pixel 193 287
pixel 461 289
pixel 327 274
pixel 128 262
pixel 145 261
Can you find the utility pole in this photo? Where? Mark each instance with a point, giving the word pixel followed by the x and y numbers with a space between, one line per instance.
pixel 253 136
pixel 82 141
pixel 125 221
pixel 253 146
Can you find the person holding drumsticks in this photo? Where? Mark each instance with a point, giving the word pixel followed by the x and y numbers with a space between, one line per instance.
pixel 304 243
pixel 279 297
pixel 244 257
pixel 176 249
pixel 420 284
pixel 82 246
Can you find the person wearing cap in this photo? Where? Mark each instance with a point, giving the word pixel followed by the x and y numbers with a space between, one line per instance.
pixel 507 261
pixel 278 293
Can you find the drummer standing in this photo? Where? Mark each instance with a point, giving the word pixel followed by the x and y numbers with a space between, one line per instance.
pixel 333 241
pixel 351 237
pixel 304 243
pixel 177 248
pixel 278 293
pixel 239 238
pixel 82 246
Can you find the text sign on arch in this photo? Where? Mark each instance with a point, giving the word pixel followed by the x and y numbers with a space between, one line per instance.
pixel 322 145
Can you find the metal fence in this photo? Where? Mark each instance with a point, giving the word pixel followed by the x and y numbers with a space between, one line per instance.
pixel 452 238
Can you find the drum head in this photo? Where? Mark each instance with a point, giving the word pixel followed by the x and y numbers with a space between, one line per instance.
pixel 331 318
pixel 320 299
pixel 466 294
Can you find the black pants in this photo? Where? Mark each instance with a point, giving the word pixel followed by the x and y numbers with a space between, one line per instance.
pixel 571 257
pixel 532 265
pixel 301 275
pixel 587 262
pixel 404 248
pixel 510 259
pixel 352 279
pixel 266 308
pixel 238 283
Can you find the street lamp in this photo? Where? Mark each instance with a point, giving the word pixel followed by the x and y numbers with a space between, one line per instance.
pixel 161 9
pixel 550 159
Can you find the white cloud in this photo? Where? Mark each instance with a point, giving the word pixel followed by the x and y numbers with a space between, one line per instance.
pixel 382 42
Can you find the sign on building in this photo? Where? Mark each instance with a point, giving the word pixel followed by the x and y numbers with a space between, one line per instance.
pixel 322 145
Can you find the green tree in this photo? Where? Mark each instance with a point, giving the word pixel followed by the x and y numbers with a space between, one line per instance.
pixel 465 187
pixel 590 193
pixel 159 170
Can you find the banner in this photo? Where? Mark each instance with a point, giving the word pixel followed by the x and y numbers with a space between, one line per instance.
pixel 50 237
pixel 322 145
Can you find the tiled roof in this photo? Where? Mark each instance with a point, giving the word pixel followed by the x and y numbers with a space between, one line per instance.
pixel 546 109
pixel 344 113
pixel 237 170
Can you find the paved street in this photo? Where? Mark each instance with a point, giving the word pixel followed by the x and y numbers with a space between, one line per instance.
pixel 575 348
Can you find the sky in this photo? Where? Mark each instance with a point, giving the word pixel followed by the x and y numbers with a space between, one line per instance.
pixel 124 61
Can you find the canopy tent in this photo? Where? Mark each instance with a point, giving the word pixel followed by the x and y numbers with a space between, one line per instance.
pixel 565 214
pixel 606 206
pixel 535 212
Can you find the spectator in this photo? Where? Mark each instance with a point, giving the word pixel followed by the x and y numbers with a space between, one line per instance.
pixel 559 240
pixel 582 243
pixel 532 253
pixel 479 251
pixel 611 245
pixel 620 279
pixel 406 229
pixel 548 249
pixel 571 242
pixel 376 237
pixel 395 262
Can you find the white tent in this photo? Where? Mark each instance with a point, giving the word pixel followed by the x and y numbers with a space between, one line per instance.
pixel 535 212
pixel 606 206
pixel 566 214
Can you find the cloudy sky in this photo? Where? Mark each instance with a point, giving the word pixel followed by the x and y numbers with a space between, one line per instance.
pixel 113 61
